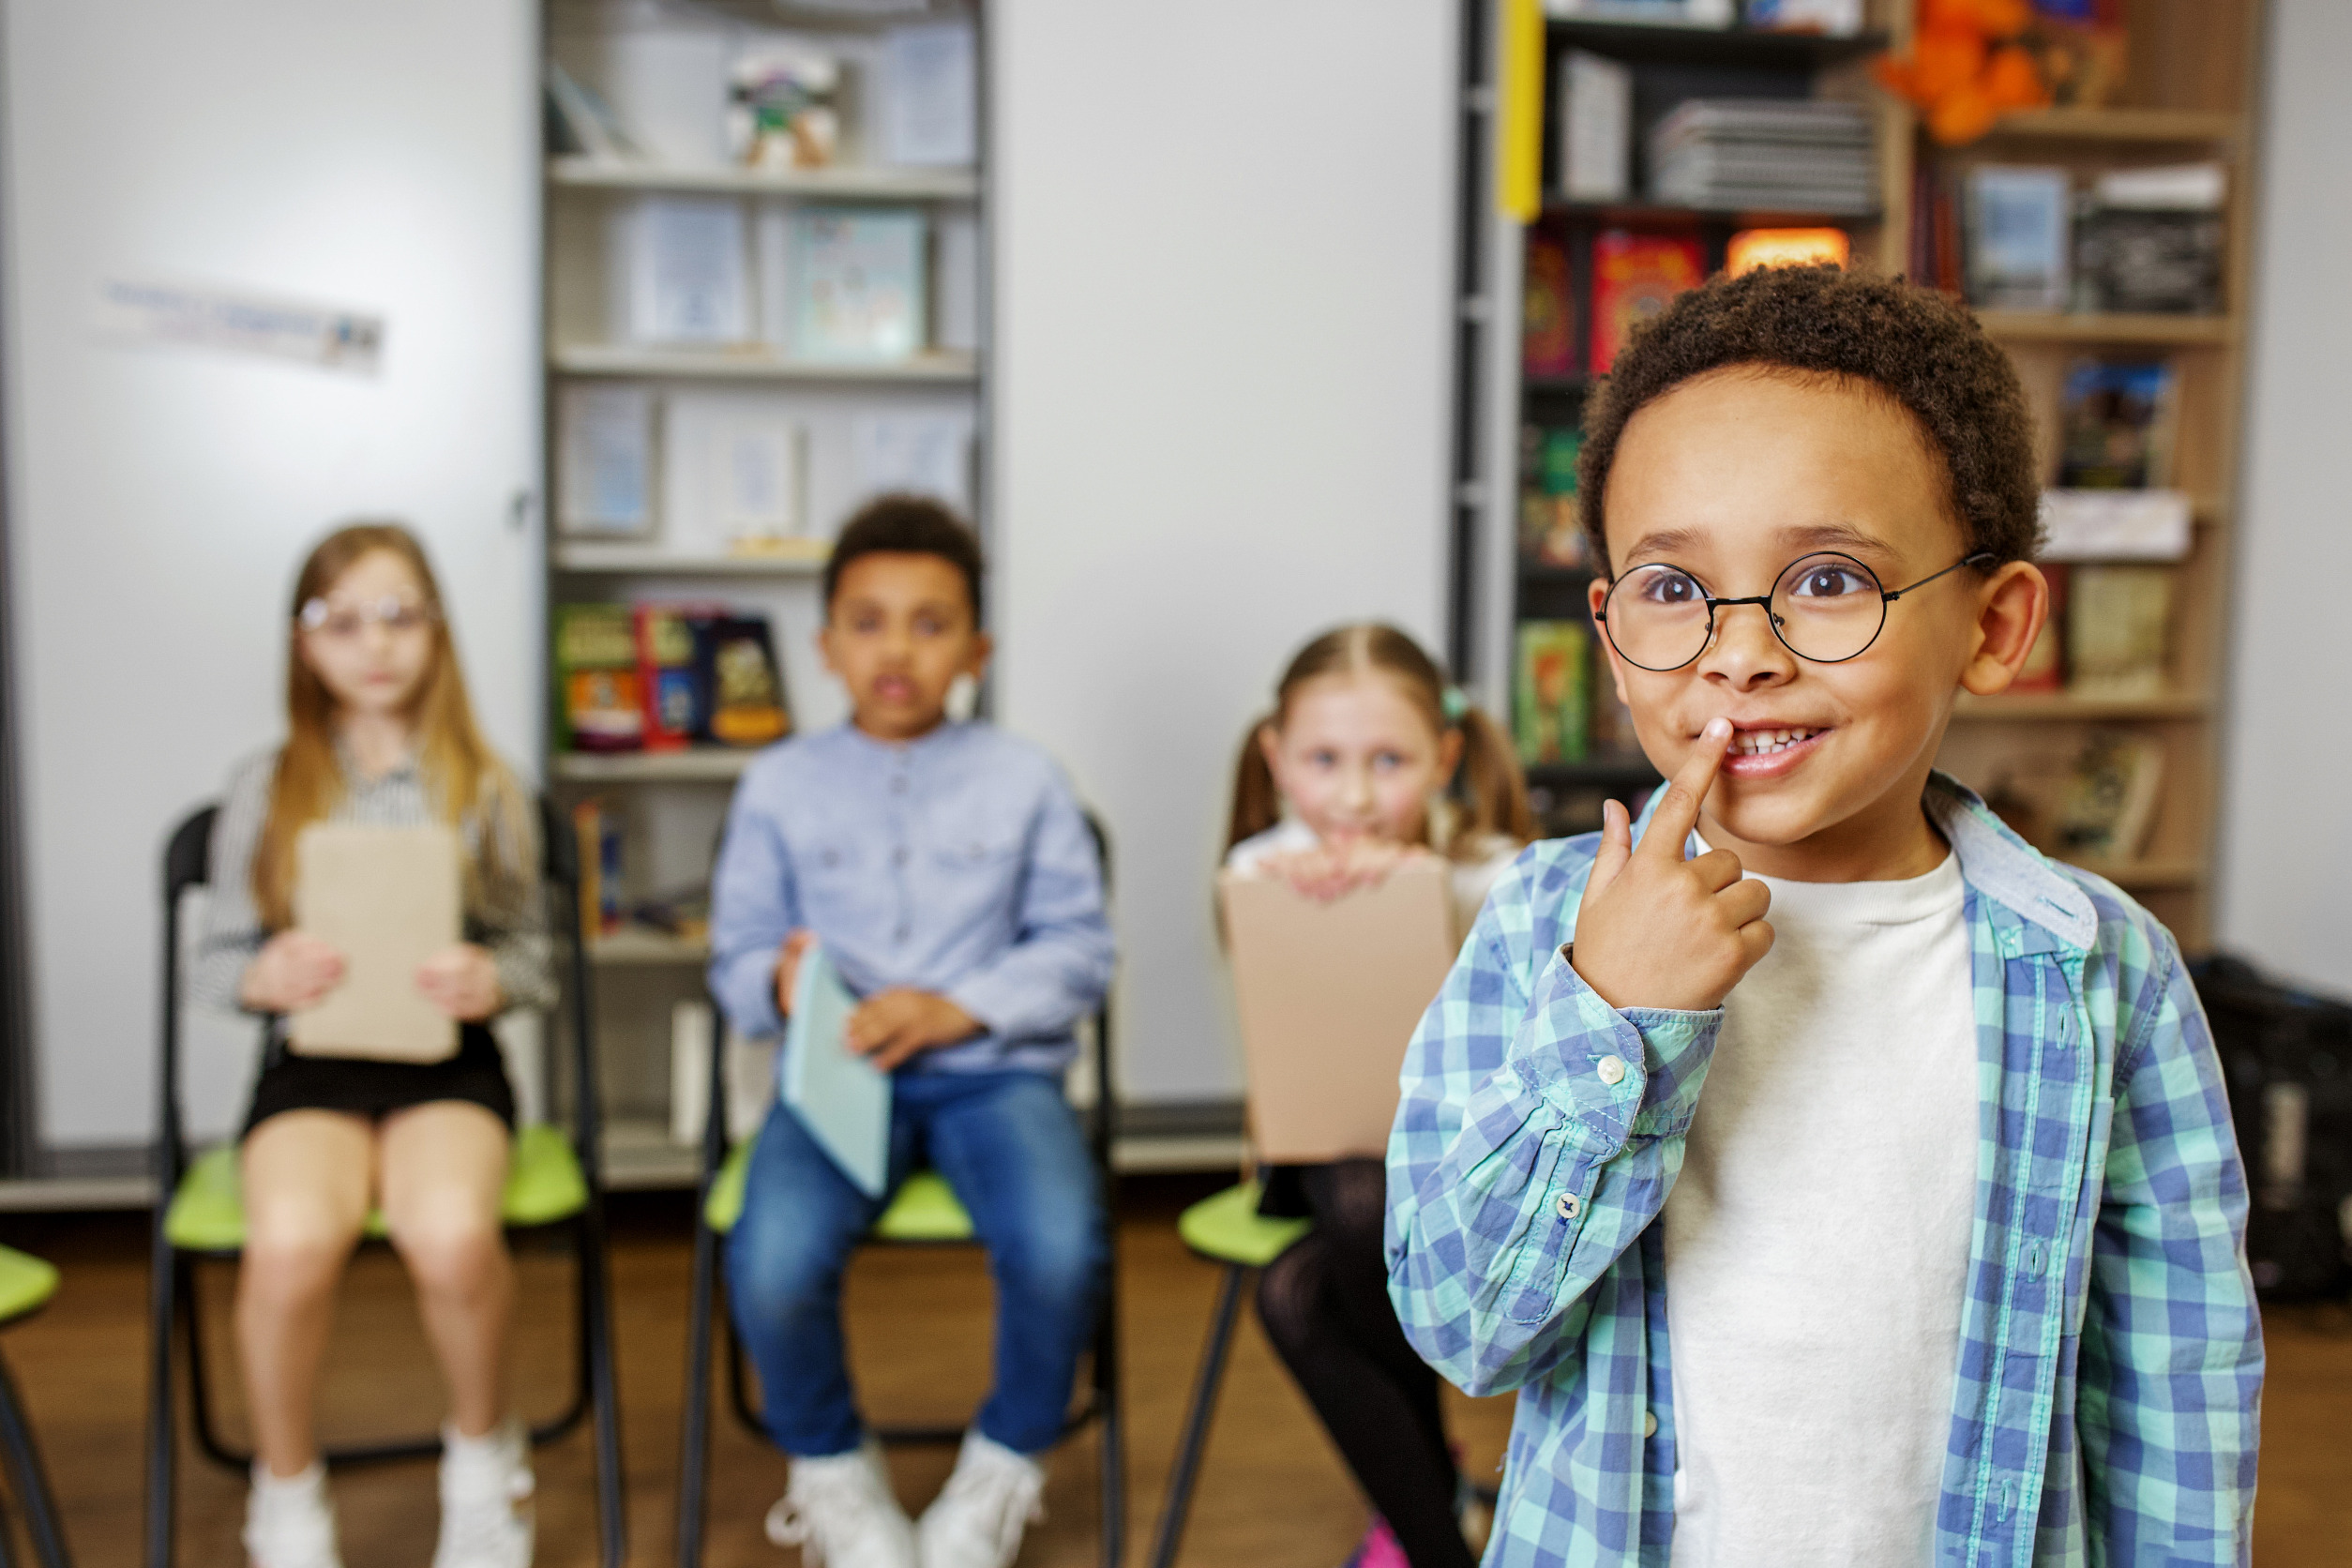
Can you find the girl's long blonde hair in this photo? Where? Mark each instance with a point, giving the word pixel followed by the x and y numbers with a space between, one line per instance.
pixel 465 776
pixel 1487 791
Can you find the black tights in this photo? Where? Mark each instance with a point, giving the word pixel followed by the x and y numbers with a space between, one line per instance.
pixel 1325 1306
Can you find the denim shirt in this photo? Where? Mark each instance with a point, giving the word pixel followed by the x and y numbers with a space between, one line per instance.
pixel 2103 1409
pixel 957 863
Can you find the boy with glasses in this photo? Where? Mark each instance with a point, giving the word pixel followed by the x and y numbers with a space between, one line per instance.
pixel 1904 1226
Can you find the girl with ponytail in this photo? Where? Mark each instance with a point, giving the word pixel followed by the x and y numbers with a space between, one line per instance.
pixel 1369 759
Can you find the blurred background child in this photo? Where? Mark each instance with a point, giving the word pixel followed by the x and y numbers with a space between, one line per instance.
pixel 1369 759
pixel 378 733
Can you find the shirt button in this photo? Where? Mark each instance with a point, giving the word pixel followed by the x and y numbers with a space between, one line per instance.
pixel 1567 1205
pixel 1612 1070
pixel 1648 1423
pixel 899 935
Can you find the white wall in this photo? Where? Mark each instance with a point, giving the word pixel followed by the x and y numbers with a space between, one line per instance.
pixel 1223 241
pixel 346 151
pixel 2285 895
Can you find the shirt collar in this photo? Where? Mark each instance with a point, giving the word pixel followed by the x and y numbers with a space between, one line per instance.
pixel 935 739
pixel 2031 892
pixel 348 760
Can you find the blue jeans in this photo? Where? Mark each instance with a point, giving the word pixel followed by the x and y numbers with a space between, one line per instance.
pixel 1010 1146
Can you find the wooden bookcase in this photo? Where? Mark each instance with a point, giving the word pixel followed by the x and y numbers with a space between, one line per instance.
pixel 666 59
pixel 2188 95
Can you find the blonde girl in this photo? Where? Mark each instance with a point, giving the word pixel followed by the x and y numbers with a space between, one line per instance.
pixel 379 731
pixel 1369 759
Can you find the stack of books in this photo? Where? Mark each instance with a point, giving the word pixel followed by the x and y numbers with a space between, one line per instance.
pixel 1778 155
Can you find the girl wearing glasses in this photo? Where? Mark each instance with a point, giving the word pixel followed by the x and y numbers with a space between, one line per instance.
pixel 379 733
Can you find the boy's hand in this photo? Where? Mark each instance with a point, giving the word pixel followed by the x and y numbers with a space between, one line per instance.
pixel 788 968
pixel 1657 930
pixel 891 1026
pixel 461 981
pixel 293 970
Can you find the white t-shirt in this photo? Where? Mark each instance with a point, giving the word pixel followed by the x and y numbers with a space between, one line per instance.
pixel 1467 880
pixel 1817 1239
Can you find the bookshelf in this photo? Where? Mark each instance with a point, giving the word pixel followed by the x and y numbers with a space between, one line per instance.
pixel 2186 94
pixel 661 70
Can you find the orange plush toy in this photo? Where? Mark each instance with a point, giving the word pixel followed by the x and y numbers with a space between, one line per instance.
pixel 1970 63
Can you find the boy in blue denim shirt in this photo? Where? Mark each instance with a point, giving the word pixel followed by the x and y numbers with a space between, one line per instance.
pixel 1904 1226
pixel 948 872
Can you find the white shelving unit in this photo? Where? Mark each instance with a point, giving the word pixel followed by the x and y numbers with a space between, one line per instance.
pixel 662 66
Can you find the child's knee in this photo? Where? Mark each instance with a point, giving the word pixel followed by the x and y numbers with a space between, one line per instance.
pixel 450 1249
pixel 1059 1265
pixel 292 1245
pixel 780 1271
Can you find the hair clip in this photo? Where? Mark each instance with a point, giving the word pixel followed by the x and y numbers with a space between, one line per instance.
pixel 1454 705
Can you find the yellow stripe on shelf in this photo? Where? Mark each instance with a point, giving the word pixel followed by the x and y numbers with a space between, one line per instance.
pixel 1519 166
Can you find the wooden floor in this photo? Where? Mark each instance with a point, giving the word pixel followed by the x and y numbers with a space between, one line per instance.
pixel 1273 1494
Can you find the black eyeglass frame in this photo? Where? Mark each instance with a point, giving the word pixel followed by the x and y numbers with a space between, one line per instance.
pixel 1764 601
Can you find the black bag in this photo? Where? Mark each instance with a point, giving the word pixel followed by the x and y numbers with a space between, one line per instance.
pixel 2287 1057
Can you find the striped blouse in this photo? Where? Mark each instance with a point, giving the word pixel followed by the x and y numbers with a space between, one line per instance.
pixel 506 913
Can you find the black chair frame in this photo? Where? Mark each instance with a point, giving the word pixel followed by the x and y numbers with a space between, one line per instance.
pixel 1102 1402
pixel 173 1300
pixel 24 1462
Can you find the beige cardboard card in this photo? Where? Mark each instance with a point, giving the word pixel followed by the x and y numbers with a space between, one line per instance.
pixel 1328 994
pixel 387 898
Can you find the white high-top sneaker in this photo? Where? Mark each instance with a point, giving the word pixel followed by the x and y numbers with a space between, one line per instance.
pixel 979 1517
pixel 840 1513
pixel 486 1486
pixel 290 1523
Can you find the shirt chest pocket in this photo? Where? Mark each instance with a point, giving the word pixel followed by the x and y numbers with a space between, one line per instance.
pixel 973 874
pixel 842 882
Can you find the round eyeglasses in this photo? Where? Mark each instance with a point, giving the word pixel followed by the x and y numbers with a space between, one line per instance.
pixel 344 619
pixel 1824 608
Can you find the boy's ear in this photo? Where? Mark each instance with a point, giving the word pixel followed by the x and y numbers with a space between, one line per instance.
pixel 1596 594
pixel 983 649
pixel 2011 609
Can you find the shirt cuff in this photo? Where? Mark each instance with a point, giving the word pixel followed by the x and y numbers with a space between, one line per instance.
pixel 1635 1073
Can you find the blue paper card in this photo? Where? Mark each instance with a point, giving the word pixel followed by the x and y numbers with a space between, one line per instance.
pixel 839 1096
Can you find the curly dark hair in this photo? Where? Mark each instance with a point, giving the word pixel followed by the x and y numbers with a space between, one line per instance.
pixel 902 524
pixel 1919 348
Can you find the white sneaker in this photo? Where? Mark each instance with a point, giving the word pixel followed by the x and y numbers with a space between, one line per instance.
pixel 978 1518
pixel 486 1487
pixel 290 1523
pixel 839 1511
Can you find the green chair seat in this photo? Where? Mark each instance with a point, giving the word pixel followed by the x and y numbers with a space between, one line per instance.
pixel 25 1284
pixel 1227 1229
pixel 543 1185
pixel 925 1209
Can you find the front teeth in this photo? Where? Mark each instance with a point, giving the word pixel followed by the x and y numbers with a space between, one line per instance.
pixel 1763 743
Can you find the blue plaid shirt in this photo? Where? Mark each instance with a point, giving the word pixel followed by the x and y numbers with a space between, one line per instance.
pixel 2104 1406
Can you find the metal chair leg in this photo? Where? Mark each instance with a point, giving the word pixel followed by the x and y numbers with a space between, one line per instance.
pixel 32 1484
pixel 1111 1448
pixel 1178 1503
pixel 603 1393
pixel 694 1440
pixel 162 1421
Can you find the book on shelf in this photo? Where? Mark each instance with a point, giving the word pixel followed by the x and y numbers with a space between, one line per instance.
pixel 1551 708
pixel 1634 276
pixel 1596 127
pixel 676 704
pixel 2109 804
pixel 2114 525
pixel 1653 14
pixel 915 454
pixel 598 828
pixel 781 109
pixel 2149 241
pixel 2117 630
pixel 1788 154
pixel 2116 420
pixel 929 111
pixel 598 703
pixel 605 463
pixel 736 664
pixel 2017 237
pixel 1751 249
pixel 1550 532
pixel 1834 19
pixel 581 124
pixel 683 274
pixel 856 291
pixel 1547 311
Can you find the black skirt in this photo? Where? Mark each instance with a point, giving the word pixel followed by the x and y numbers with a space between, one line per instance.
pixel 375 1090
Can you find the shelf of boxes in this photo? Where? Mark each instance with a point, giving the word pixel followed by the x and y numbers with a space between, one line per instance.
pixel 631 560
pixel 2082 326
pixel 695 764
